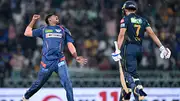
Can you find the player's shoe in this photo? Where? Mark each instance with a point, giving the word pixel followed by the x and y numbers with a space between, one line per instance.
pixel 24 99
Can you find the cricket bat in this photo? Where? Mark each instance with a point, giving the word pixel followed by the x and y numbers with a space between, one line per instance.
pixel 122 79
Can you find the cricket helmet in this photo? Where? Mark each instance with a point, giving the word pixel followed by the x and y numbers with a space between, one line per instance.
pixel 130 5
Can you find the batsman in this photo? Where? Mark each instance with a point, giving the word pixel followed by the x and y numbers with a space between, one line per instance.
pixel 55 37
pixel 132 29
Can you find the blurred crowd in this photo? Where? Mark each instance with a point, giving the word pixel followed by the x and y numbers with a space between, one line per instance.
pixel 94 24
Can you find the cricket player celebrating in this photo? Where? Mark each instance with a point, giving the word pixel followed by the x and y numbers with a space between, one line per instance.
pixel 54 37
pixel 134 26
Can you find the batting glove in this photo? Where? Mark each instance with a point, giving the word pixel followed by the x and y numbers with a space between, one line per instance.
pixel 116 55
pixel 165 52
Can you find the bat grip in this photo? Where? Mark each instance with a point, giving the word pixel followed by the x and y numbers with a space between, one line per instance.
pixel 116 45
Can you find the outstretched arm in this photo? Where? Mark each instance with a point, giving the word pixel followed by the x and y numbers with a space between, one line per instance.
pixel 72 50
pixel 28 31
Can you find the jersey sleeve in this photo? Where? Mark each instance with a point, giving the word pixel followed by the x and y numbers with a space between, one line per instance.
pixel 38 32
pixel 123 23
pixel 147 24
pixel 68 36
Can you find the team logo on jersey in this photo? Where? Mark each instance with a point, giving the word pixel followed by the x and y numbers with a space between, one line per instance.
pixel 48 30
pixel 58 30
pixel 53 35
pixel 134 20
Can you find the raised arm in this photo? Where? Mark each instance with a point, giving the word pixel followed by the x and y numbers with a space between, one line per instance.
pixel 28 31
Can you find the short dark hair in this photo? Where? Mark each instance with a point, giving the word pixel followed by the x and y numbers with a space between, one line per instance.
pixel 47 17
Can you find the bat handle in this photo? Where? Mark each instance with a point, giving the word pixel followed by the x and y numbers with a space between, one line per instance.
pixel 116 45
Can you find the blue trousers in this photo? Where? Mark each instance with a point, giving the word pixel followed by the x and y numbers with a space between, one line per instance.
pixel 60 67
pixel 132 54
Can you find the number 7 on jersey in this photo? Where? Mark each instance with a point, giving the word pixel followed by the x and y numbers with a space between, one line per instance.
pixel 137 30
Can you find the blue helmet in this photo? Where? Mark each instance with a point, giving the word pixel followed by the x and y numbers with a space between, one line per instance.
pixel 130 5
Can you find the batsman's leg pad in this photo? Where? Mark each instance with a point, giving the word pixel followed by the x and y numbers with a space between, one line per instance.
pixel 139 94
pixel 139 86
pixel 125 96
pixel 137 90
pixel 130 80
pixel 142 93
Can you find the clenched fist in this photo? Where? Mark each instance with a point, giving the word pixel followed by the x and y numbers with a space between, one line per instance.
pixel 35 17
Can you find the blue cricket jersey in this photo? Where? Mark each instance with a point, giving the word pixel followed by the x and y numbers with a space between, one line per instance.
pixel 136 27
pixel 54 39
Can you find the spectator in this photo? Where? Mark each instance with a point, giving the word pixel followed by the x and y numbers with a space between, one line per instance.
pixel 94 25
pixel 17 62
pixel 2 72
pixel 6 56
